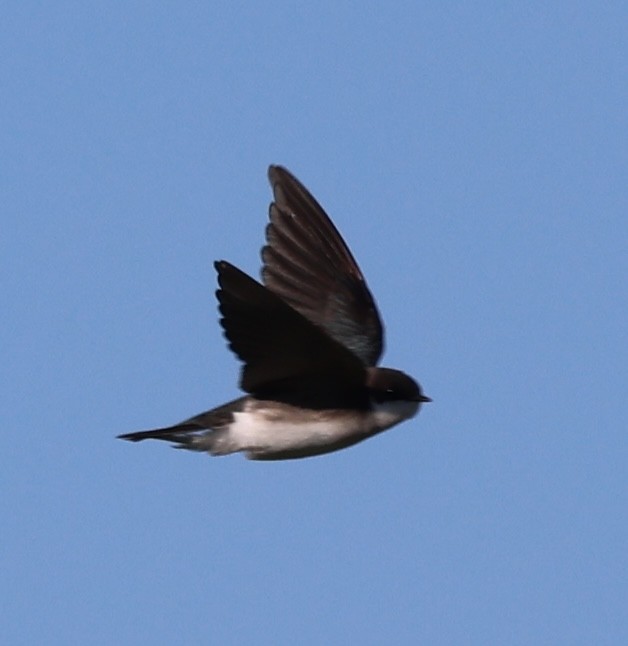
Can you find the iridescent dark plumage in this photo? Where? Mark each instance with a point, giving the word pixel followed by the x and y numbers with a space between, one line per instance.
pixel 308 338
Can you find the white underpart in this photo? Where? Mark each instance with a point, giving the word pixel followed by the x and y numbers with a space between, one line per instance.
pixel 388 414
pixel 280 435
pixel 268 431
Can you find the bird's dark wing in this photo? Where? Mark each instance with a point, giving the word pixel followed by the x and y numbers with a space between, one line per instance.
pixel 308 264
pixel 282 351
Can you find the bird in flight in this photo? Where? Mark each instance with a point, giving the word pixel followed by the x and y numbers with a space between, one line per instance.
pixel 309 337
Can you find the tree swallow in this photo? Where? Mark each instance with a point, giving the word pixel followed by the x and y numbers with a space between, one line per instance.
pixel 309 338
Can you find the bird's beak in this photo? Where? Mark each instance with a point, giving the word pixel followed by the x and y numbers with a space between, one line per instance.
pixel 425 398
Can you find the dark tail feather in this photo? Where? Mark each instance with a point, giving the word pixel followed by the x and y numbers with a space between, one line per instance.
pixel 208 431
pixel 179 433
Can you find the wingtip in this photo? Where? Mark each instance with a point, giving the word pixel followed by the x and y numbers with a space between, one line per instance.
pixel 277 173
pixel 221 266
pixel 273 172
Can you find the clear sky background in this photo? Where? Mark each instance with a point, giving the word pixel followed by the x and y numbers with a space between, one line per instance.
pixel 474 156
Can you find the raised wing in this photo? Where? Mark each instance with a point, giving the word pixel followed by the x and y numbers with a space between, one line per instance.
pixel 282 351
pixel 308 264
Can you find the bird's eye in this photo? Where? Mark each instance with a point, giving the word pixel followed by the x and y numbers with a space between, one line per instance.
pixel 387 394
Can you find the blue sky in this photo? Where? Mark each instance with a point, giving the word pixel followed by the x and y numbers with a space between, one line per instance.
pixel 474 156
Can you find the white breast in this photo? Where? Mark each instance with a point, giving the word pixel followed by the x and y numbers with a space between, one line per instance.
pixel 388 414
pixel 273 430
pixel 259 431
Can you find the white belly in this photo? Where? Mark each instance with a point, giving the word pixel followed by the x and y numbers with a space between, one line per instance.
pixel 260 431
pixel 269 432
